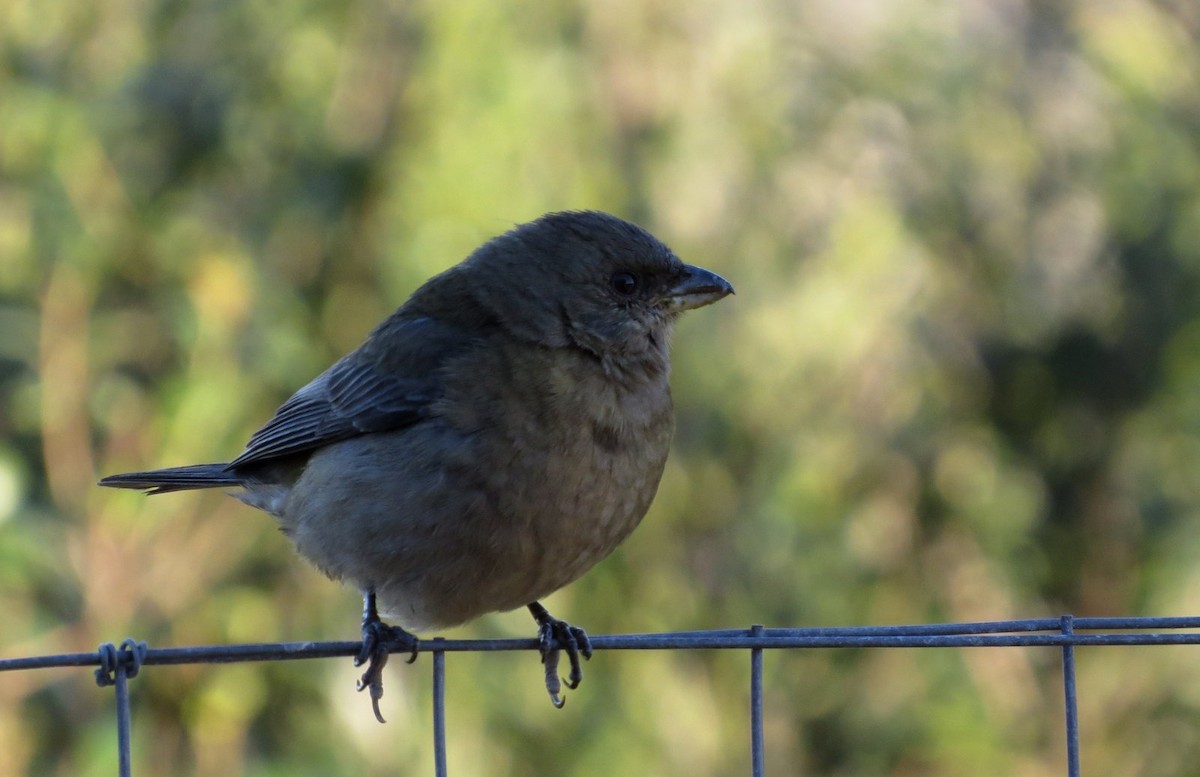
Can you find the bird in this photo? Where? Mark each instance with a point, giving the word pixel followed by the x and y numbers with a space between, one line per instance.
pixel 494 438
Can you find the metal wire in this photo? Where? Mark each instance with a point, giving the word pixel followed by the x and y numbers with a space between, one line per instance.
pixel 124 756
pixel 116 667
pixel 1070 705
pixel 758 754
pixel 439 709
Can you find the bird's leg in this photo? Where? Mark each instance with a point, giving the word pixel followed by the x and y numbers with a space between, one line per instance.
pixel 379 640
pixel 555 635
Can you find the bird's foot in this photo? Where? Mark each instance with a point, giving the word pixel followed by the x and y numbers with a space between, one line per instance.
pixel 379 642
pixel 555 635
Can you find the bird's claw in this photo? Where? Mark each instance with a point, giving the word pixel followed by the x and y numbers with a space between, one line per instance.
pixel 555 636
pixel 379 642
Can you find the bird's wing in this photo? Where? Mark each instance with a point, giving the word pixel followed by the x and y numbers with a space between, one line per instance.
pixel 388 383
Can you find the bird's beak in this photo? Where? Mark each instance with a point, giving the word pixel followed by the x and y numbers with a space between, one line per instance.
pixel 697 288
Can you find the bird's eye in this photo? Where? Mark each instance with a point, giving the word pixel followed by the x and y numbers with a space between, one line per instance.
pixel 624 283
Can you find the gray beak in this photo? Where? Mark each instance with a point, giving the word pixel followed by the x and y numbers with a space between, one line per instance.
pixel 697 288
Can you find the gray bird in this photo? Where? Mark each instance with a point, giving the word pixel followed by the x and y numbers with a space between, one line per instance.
pixel 492 440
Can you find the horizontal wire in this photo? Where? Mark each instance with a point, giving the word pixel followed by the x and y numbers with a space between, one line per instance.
pixel 1016 633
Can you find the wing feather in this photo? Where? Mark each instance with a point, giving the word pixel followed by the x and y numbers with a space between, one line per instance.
pixel 388 383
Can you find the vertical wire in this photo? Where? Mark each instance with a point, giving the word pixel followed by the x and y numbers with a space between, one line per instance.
pixel 124 759
pixel 1072 707
pixel 757 754
pixel 439 710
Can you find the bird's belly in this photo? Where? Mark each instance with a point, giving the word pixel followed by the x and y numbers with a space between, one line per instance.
pixel 585 514
pixel 449 538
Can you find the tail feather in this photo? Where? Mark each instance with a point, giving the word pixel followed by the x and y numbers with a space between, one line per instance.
pixel 161 481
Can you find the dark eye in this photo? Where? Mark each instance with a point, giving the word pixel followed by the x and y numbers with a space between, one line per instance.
pixel 624 283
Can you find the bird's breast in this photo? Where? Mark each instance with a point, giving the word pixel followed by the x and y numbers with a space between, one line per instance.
pixel 577 456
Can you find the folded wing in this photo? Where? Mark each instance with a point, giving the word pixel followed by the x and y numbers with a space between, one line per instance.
pixel 372 389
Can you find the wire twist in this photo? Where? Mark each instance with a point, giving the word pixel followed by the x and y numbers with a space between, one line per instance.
pixel 130 655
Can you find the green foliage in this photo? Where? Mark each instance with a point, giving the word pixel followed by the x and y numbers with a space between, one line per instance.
pixel 958 381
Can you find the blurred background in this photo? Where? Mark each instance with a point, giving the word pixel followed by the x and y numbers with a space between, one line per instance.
pixel 960 379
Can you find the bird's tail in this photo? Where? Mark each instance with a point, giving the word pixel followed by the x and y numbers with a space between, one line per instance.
pixel 161 481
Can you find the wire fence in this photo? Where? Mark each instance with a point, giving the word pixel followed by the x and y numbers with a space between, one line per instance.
pixel 116 666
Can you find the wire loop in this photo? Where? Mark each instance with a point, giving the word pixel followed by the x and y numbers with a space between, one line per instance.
pixel 130 655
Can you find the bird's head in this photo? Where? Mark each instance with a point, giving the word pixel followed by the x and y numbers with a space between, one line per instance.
pixel 592 281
